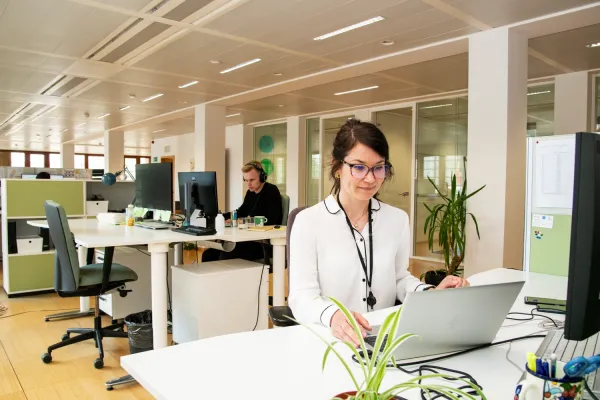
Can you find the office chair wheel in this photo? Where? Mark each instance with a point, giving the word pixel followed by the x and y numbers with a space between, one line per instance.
pixel 99 363
pixel 109 388
pixel 64 337
pixel 46 358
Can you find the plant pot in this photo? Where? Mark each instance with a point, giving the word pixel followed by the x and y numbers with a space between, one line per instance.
pixel 346 395
pixel 434 277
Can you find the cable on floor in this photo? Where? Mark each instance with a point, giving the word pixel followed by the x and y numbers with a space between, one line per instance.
pixel 34 311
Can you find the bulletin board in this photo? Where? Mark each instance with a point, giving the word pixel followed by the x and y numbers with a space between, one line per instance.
pixel 551 165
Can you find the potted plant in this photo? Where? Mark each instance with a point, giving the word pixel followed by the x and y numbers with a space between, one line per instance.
pixel 190 253
pixel 373 369
pixel 448 220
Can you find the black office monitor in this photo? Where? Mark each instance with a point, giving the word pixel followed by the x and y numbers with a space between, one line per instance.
pixel 583 292
pixel 154 186
pixel 203 193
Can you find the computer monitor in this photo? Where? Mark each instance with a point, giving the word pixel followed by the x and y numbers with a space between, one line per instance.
pixel 582 318
pixel 202 193
pixel 154 186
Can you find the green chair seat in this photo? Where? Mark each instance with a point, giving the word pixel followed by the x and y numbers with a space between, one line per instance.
pixel 91 275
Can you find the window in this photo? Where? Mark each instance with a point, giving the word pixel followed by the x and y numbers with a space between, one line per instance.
pixel 144 160
pixel 55 161
pixel 17 159
pixel 431 167
pixel 79 161
pixel 130 163
pixel 315 172
pixel 37 160
pixel 454 166
pixel 96 162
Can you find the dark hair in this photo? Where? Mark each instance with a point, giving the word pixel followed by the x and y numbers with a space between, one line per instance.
pixel 352 132
pixel 42 175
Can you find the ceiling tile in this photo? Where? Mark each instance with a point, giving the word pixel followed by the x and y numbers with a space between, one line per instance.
pixel 42 63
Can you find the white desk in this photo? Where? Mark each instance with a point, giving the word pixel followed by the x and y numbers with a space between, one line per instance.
pixel 90 233
pixel 286 362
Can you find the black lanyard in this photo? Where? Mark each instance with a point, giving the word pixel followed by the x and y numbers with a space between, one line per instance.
pixel 371 300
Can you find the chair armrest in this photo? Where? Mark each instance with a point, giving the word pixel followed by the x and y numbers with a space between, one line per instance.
pixel 279 315
pixel 106 267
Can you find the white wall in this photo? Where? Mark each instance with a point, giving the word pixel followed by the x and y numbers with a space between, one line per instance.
pixel 181 147
pixel 238 141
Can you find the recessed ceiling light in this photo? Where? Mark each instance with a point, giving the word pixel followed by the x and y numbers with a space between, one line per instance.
pixel 388 42
pixel 592 45
pixel 103 116
pixel 132 95
pixel 356 90
pixel 232 115
pixel 81 124
pixel 124 108
pixel 277 73
pixel 156 96
pixel 436 106
pixel 215 62
pixel 182 102
pixel 242 65
pixel 160 130
pixel 349 28
pixel 280 105
pixel 536 93
pixel 192 83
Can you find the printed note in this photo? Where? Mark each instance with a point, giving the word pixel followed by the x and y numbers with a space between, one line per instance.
pixel 543 221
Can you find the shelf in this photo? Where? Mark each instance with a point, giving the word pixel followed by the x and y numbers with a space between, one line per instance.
pixel 31 254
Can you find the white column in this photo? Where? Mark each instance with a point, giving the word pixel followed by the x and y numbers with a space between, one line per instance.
pixel 238 141
pixel 209 137
pixel 363 115
pixel 496 149
pixel 572 103
pixel 296 161
pixel 67 155
pixel 114 151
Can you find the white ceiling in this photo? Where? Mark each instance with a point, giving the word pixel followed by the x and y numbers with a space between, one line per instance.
pixel 65 63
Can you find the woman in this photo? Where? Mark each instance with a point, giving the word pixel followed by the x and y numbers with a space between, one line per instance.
pixel 351 246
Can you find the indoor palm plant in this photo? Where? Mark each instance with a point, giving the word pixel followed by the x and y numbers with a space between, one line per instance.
pixel 373 369
pixel 448 220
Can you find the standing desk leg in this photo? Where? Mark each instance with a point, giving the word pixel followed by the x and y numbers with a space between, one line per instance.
pixel 278 272
pixel 178 253
pixel 84 302
pixel 158 265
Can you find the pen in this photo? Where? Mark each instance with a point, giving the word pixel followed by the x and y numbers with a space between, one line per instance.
pixel 531 361
pixel 553 365
pixel 538 366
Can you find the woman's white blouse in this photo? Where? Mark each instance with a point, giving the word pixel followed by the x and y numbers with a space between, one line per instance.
pixel 324 261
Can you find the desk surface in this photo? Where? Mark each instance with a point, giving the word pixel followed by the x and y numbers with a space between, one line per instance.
pixel 286 362
pixel 92 233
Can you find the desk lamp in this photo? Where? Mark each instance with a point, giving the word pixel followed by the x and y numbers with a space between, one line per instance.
pixel 110 179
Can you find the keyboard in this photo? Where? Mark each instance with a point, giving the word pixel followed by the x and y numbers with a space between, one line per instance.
pixel 566 350
pixel 195 230
pixel 371 339
pixel 153 225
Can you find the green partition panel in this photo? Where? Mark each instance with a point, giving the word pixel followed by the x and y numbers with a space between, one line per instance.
pixel 31 272
pixel 550 248
pixel 26 197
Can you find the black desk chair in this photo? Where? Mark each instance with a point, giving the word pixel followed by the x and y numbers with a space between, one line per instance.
pixel 279 314
pixel 71 280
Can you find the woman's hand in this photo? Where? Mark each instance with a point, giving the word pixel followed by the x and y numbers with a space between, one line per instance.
pixel 452 281
pixel 341 328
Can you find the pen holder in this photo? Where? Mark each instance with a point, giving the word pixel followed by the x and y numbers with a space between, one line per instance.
pixel 535 386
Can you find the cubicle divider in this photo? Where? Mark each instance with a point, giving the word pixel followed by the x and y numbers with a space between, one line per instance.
pixel 550 171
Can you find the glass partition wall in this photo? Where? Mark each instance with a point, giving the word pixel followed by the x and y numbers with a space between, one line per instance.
pixel 540 110
pixel 270 148
pixel 441 150
pixel 313 161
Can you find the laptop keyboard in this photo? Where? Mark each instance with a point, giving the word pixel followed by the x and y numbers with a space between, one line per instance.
pixel 566 350
pixel 373 338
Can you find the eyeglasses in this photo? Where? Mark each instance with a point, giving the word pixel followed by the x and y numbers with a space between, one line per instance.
pixel 360 171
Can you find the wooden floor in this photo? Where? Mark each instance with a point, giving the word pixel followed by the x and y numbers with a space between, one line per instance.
pixel 24 337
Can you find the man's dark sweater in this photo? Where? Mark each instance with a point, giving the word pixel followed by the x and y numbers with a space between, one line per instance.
pixel 266 203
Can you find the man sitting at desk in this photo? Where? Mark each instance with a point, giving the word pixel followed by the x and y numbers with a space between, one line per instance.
pixel 262 199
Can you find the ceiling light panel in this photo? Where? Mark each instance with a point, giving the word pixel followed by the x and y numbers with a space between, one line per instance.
pixel 185 85
pixel 350 28
pixel 242 65
pixel 541 92
pixel 156 96
pixel 356 90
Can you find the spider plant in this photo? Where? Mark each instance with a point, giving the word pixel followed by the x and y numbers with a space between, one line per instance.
pixel 448 220
pixel 373 369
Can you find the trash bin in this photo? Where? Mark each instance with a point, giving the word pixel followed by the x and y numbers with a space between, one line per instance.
pixel 139 331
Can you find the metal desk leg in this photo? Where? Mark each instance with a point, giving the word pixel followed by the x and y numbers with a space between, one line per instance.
pixel 158 265
pixel 278 272
pixel 84 302
pixel 178 253
pixel 119 381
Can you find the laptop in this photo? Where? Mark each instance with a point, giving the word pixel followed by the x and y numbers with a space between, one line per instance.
pixel 451 320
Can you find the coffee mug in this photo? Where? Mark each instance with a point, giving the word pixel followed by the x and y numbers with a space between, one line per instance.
pixel 260 221
pixel 540 387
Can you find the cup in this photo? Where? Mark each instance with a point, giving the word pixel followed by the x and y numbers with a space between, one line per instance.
pixel 260 221
pixel 241 223
pixel 534 386
pixel 250 222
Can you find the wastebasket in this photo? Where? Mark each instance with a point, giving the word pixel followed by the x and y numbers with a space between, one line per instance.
pixel 139 331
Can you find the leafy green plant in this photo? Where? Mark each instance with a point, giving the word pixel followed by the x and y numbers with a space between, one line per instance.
pixel 374 368
pixel 190 246
pixel 448 220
